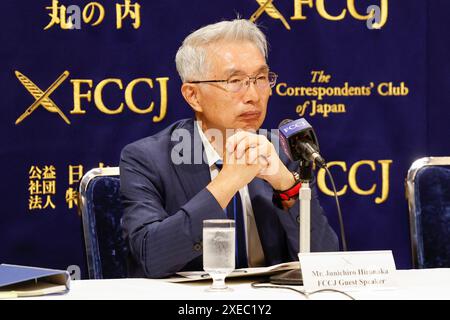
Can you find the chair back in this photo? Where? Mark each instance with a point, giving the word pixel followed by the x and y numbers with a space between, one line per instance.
pixel 101 211
pixel 428 194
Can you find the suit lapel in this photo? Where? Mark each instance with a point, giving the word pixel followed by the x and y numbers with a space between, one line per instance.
pixel 193 172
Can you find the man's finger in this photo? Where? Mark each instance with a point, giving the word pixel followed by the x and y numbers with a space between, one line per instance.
pixel 235 139
pixel 257 154
pixel 245 144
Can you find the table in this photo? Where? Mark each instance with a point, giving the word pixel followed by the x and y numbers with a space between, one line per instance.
pixel 421 284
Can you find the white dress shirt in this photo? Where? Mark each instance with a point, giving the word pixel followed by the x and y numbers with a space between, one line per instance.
pixel 255 254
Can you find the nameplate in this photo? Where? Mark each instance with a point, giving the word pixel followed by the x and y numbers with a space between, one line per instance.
pixel 348 271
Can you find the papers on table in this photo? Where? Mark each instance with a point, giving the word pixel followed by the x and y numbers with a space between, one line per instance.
pixel 187 276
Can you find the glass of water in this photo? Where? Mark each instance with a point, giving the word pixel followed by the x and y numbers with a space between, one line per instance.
pixel 218 251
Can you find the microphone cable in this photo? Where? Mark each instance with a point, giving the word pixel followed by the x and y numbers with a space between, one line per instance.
pixel 265 285
pixel 341 222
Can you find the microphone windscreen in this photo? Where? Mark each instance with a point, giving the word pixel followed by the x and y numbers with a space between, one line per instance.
pixel 285 121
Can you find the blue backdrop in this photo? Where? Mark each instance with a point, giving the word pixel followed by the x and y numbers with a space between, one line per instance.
pixel 378 100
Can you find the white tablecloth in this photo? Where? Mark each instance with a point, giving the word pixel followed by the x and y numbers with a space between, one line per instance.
pixel 412 284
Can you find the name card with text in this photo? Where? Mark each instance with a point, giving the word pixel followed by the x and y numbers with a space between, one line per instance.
pixel 348 271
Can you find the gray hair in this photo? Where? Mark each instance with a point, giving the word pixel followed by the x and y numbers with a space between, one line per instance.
pixel 191 56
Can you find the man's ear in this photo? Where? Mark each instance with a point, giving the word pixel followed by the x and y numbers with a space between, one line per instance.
pixel 191 93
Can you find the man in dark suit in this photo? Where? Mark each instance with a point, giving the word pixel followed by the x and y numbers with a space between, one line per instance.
pixel 191 171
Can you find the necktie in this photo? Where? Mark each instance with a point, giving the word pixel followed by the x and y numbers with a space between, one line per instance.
pixel 234 211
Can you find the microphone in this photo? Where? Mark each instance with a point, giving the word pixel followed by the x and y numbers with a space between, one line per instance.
pixel 299 141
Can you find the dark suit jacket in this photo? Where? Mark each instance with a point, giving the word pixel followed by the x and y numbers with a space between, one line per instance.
pixel 165 204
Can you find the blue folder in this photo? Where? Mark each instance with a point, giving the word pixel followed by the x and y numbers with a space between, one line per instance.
pixel 18 281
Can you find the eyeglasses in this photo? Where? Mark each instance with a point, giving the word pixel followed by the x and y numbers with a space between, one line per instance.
pixel 236 83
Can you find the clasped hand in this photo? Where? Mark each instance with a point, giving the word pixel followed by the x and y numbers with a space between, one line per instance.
pixel 248 155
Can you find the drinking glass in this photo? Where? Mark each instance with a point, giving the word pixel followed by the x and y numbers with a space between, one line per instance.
pixel 218 251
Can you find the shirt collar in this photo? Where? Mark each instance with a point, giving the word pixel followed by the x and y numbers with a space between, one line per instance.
pixel 211 154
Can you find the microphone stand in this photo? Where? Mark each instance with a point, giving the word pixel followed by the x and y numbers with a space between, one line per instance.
pixel 294 277
pixel 304 196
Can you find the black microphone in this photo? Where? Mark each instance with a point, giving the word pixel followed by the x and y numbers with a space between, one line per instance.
pixel 299 141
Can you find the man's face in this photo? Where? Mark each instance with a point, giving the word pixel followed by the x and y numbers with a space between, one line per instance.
pixel 245 109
